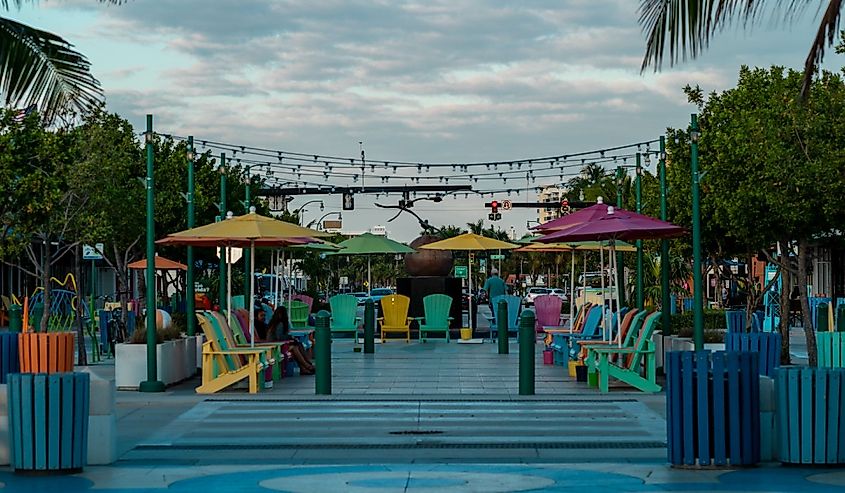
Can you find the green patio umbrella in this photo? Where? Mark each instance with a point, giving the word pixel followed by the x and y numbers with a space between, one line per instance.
pixel 314 246
pixel 369 244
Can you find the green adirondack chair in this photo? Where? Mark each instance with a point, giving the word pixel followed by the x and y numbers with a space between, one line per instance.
pixel 297 314
pixel 344 310
pixel 436 317
pixel 831 350
pixel 627 369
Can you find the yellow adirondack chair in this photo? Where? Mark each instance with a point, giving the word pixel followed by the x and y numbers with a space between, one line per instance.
pixel 394 309
pixel 231 365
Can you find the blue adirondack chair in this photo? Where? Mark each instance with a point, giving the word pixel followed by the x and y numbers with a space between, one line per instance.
pixel 735 321
pixel 436 319
pixel 514 304
pixel 589 332
pixel 344 310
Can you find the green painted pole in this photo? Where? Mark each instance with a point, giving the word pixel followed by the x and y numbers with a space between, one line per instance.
pixel 15 320
pixel 93 297
pixel 247 203
pixel 639 192
pixel 620 264
pixel 151 384
pixel 665 298
pixel 221 294
pixel 698 307
pixel 502 326
pixel 369 326
pixel 323 354
pixel 190 307
pixel 526 353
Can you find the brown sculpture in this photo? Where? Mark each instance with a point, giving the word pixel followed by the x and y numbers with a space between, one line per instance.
pixel 428 262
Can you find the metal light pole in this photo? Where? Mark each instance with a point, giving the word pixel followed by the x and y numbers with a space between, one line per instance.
pixel 301 209
pixel 319 222
pixel 190 307
pixel 639 194
pixel 221 292
pixel 620 265
pixel 665 299
pixel 698 308
pixel 151 384
pixel 246 255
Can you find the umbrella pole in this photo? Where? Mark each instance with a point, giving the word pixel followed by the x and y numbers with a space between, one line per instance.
pixel 572 292
pixel 281 299
pixel 615 292
pixel 584 283
pixel 604 327
pixel 251 293
pixel 369 278
pixel 469 288
pixel 228 287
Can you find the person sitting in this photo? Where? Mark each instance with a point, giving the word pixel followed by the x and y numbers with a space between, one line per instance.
pixel 261 326
pixel 279 329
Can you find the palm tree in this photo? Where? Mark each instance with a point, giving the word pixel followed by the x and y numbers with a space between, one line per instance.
pixel 685 27
pixel 41 68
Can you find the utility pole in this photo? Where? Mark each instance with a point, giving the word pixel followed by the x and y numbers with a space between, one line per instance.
pixel 665 298
pixel 698 307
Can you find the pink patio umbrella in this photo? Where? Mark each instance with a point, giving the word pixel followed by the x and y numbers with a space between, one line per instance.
pixel 615 224
pixel 587 214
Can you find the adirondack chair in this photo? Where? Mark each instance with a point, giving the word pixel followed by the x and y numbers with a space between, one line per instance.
pixel 632 357
pixel 631 324
pixel 223 365
pixel 589 331
pixel 297 314
pixel 305 299
pixel 735 321
pixel 436 319
pixel 614 320
pixel 514 304
pixel 831 349
pixel 344 320
pixel 559 345
pixel 237 301
pixel 547 310
pixel 237 337
pixel 394 309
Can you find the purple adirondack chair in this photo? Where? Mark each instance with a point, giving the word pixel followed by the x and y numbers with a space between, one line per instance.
pixel 547 311
pixel 305 299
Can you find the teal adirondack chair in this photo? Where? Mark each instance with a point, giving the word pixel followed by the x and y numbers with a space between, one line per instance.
pixel 514 304
pixel 631 358
pixel 344 310
pixel 297 314
pixel 436 319
pixel 237 302
pixel 590 332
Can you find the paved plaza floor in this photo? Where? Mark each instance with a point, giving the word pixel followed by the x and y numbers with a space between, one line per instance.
pixel 409 418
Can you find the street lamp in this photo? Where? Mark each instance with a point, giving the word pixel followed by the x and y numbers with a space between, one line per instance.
pixel 302 207
pixel 698 313
pixel 319 222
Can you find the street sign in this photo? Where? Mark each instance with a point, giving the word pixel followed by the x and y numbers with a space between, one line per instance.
pixel 507 205
pixel 235 254
pixel 92 252
pixel 497 257
pixel 344 280
pixel 332 224
pixel 461 271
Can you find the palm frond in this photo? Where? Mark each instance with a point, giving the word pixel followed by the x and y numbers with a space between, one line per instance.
pixel 825 36
pixel 42 68
pixel 7 4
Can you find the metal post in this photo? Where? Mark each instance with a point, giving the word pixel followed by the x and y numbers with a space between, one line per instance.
pixel 620 271
pixel 526 353
pixel 665 299
pixel 323 354
pixel 15 321
pixel 190 307
pixel 369 326
pixel 698 308
pixel 502 326
pixel 93 295
pixel 247 264
pixel 221 293
pixel 152 384
pixel 639 194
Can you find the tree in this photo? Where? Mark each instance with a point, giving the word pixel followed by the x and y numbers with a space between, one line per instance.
pixel 38 67
pixel 686 26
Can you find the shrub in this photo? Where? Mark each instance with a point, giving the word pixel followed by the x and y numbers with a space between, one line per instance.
pixel 714 320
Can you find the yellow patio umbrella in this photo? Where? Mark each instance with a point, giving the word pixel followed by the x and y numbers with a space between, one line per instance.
pixel 470 242
pixel 249 230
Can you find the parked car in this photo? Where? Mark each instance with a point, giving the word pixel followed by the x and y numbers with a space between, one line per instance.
pixel 560 293
pixel 378 293
pixel 533 293
pixel 362 297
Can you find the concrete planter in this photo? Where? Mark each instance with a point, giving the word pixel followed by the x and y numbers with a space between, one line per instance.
pixel 714 346
pixel 190 355
pixel 130 363
pixel 681 344
pixel 198 354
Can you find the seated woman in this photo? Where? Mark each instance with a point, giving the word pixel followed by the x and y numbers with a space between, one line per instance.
pixel 278 329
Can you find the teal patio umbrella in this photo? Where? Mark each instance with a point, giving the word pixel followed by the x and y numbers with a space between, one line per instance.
pixel 369 244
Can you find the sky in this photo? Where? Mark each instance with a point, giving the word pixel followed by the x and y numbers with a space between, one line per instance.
pixel 419 81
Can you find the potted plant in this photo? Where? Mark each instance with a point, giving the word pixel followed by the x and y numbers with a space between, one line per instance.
pixel 172 356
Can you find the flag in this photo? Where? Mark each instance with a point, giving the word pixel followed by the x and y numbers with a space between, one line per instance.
pixel 21 114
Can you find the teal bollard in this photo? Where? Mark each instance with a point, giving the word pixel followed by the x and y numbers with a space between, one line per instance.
pixel 526 353
pixel 15 321
pixel 822 318
pixel 840 318
pixel 369 327
pixel 323 354
pixel 502 326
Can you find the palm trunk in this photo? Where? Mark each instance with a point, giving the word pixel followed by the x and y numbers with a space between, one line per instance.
pixel 783 327
pixel 81 353
pixel 809 330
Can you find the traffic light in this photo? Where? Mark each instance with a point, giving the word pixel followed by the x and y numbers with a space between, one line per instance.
pixel 564 206
pixel 348 201
pixel 494 215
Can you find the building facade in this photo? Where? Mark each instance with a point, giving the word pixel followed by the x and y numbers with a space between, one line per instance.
pixel 552 194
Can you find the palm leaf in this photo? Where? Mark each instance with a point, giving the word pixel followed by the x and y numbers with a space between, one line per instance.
pixel 42 68
pixel 7 4
pixel 685 27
